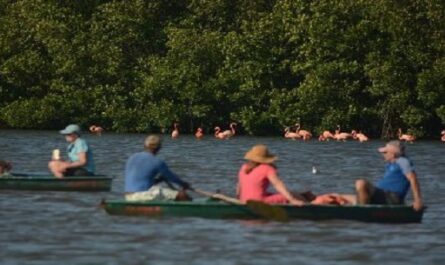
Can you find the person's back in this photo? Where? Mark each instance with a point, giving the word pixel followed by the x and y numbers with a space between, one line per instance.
pixel 140 170
pixel 253 183
pixel 257 174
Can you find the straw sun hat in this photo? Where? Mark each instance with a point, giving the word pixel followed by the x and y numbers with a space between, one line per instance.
pixel 260 154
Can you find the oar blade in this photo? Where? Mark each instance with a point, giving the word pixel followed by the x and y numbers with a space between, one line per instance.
pixel 270 212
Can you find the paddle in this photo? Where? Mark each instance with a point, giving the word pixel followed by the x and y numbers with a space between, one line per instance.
pixel 271 212
pixel 267 211
pixel 218 196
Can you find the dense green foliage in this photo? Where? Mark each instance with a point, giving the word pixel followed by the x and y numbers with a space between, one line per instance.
pixel 136 65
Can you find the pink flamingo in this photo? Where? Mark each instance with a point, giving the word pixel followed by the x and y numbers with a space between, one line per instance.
pixel 199 133
pixel 225 134
pixel 405 137
pixel 175 132
pixel 97 130
pixel 325 136
pixel 290 135
pixel 359 136
pixel 306 135
pixel 341 135
pixel 443 136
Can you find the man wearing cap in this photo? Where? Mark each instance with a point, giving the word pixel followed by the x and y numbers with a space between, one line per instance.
pixel 393 187
pixel 80 157
pixel 143 171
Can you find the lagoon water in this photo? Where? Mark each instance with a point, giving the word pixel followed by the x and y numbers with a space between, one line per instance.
pixel 70 228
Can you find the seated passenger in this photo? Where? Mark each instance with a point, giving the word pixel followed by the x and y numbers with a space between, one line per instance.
pixel 5 168
pixel 398 178
pixel 142 172
pixel 80 156
pixel 257 174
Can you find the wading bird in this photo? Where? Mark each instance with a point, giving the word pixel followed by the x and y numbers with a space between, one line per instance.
pixel 97 130
pixel 341 136
pixel 175 132
pixel 359 136
pixel 290 135
pixel 225 134
pixel 199 133
pixel 405 137
pixel 306 135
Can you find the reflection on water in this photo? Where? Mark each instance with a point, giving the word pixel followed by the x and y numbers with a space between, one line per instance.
pixel 47 227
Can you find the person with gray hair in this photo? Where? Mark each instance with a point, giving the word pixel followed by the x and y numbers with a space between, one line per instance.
pixel 144 172
pixel 399 176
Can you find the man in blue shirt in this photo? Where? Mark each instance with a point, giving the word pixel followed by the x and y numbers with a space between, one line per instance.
pixel 143 171
pixel 80 156
pixel 398 178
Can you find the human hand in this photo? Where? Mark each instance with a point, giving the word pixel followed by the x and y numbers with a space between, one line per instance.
pixel 185 185
pixel 296 202
pixel 418 205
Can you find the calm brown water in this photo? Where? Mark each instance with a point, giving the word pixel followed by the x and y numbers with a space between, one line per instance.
pixel 69 228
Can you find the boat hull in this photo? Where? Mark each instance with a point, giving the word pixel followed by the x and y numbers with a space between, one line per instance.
pixel 50 183
pixel 220 210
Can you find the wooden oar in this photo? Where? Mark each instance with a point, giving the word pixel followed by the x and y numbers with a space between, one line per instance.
pixel 267 211
pixel 270 212
pixel 218 196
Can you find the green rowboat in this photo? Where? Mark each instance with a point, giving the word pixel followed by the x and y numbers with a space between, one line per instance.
pixel 50 183
pixel 221 210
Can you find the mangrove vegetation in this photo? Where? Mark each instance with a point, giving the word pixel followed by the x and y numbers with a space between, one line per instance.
pixel 140 66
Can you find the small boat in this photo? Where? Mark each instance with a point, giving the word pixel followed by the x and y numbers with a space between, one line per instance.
pixel 222 210
pixel 20 181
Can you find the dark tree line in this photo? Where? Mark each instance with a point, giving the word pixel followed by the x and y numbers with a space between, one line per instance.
pixel 139 66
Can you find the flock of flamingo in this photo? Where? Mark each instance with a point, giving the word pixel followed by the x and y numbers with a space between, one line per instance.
pixel 199 134
pixel 293 133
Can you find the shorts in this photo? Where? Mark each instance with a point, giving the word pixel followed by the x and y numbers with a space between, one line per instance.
pixel 77 172
pixel 385 197
pixel 155 193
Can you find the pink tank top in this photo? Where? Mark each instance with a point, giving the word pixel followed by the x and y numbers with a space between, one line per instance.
pixel 253 185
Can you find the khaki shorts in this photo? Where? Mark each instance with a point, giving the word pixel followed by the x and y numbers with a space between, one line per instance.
pixel 155 193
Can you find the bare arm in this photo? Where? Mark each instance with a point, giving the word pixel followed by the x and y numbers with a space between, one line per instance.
pixel 82 161
pixel 282 189
pixel 417 197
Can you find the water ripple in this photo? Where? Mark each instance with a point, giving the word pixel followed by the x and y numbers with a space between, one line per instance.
pixel 50 227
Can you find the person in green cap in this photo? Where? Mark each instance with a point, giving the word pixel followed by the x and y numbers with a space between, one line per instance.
pixel 80 157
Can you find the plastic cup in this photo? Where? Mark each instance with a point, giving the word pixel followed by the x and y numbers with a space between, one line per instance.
pixel 56 154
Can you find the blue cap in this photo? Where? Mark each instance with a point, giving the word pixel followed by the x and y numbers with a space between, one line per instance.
pixel 70 129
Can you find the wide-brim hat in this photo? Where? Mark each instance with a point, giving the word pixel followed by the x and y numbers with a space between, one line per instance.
pixel 260 154
pixel 71 129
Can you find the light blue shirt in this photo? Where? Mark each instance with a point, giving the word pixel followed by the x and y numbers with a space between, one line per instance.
pixel 81 146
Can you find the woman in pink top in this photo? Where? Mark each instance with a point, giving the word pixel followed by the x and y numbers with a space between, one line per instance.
pixel 256 175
